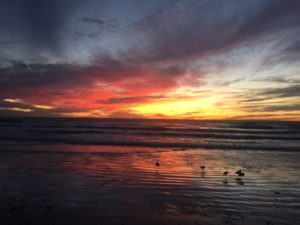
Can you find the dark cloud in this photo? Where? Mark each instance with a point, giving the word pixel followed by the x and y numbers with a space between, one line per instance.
pixel 255 99
pixel 290 54
pixel 18 74
pixel 93 20
pixel 290 91
pixel 258 99
pixel 229 82
pixel 10 105
pixel 41 22
pixel 199 28
pixel 20 108
pixel 130 100
pixel 264 116
pixel 286 52
pixel 12 42
pixel 79 34
pixel 45 21
pixel 182 29
pixel 101 26
pixel 279 79
pixel 19 79
pixel 275 108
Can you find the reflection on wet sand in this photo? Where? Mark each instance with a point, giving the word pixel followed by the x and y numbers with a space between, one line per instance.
pixel 117 185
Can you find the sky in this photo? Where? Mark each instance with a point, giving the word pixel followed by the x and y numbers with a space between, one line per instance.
pixel 183 59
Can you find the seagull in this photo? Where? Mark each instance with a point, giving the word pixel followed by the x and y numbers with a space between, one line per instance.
pixel 225 173
pixel 240 173
pixel 202 167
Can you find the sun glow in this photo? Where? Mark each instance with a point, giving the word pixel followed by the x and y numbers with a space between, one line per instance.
pixel 198 108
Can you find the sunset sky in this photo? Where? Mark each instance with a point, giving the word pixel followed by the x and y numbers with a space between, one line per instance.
pixel 194 59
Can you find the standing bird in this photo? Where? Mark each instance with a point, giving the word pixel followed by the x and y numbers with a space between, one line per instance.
pixel 157 164
pixel 240 173
pixel 225 173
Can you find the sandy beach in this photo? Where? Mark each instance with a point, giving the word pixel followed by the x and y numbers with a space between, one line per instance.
pixel 133 185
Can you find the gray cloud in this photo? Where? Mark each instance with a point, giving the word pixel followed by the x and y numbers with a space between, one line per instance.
pixel 255 99
pixel 181 30
pixel 286 52
pixel 199 28
pixel 137 99
pixel 275 108
pixel 18 79
pixel 101 27
pixel 290 91
pixel 93 20
pixel 229 82
pixel 20 109
pixel 40 22
pixel 12 42
pixel 266 116
pixel 18 74
pixel 279 79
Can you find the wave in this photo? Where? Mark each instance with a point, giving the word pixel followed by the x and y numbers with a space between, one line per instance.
pixel 153 144
pixel 180 133
pixel 279 136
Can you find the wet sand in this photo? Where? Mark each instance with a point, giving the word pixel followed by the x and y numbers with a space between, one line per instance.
pixel 90 185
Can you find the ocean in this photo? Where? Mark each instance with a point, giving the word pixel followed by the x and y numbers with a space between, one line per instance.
pixel 135 171
pixel 191 134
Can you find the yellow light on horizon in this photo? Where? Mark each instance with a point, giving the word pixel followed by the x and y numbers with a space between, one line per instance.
pixel 17 109
pixel 12 100
pixel 43 107
pixel 180 108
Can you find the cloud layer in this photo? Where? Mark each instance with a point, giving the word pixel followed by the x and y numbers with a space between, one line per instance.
pixel 92 56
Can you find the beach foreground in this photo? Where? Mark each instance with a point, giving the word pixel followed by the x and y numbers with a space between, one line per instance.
pixel 134 185
pixel 152 172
